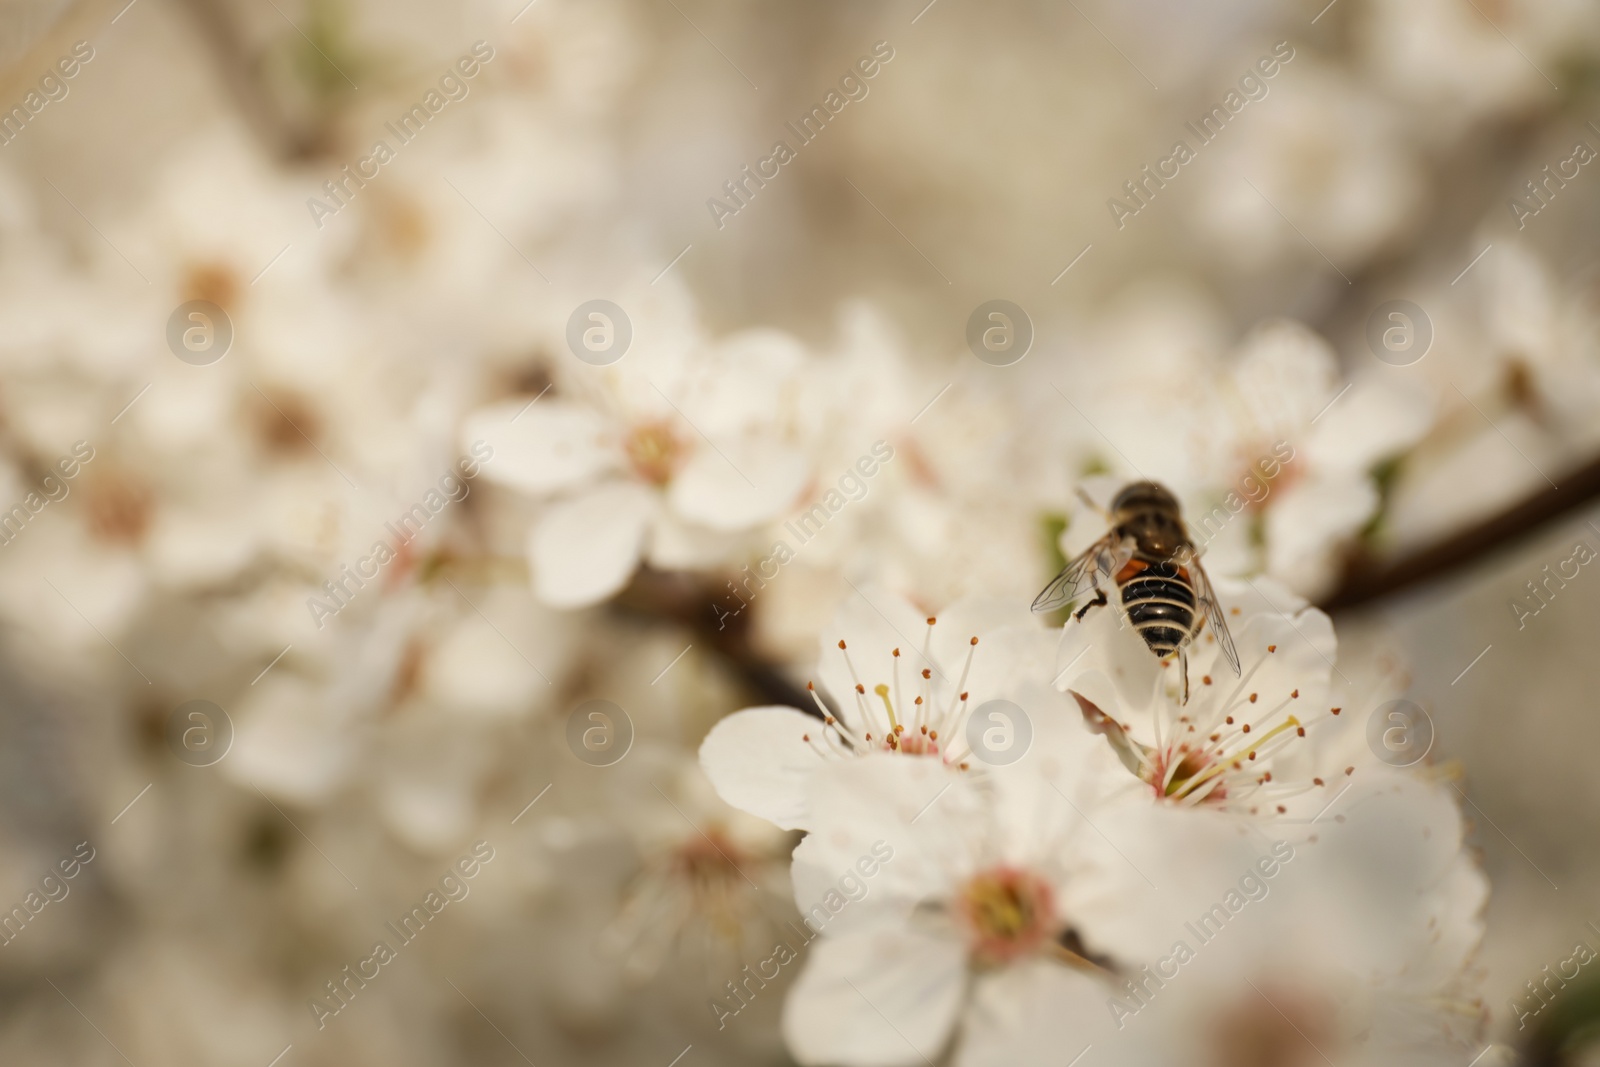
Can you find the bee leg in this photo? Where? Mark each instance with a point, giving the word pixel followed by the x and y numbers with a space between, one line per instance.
pixel 1089 500
pixel 1183 669
pixel 1099 601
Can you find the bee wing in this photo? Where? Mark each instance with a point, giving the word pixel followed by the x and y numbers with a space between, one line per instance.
pixel 1100 560
pixel 1214 613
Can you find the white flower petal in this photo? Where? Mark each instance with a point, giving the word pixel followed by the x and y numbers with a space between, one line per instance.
pixel 1148 867
pixel 1394 862
pixel 585 549
pixel 1379 417
pixel 1310 520
pixel 1010 641
pixel 910 807
pixel 679 545
pixel 476 671
pixel 741 384
pixel 290 743
pixel 1102 657
pixel 872 623
pixel 429 816
pixel 1286 374
pixel 541 448
pixel 1107 663
pixel 739 486
pixel 193 546
pixel 1034 1012
pixel 875 998
pixel 1270 617
pixel 1228 541
pixel 758 762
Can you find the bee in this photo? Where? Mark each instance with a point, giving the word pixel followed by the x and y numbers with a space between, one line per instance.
pixel 1149 557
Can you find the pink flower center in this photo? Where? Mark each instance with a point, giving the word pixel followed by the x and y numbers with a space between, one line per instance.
pixel 1008 913
pixel 1191 764
pixel 655 451
pixel 909 727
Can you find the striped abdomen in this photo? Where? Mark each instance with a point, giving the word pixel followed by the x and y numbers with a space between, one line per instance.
pixel 1160 604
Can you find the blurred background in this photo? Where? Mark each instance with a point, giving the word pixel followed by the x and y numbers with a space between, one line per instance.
pixel 184 497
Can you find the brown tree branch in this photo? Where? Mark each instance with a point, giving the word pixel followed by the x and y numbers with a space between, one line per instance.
pixel 1369 579
pixel 238 67
pixel 690 603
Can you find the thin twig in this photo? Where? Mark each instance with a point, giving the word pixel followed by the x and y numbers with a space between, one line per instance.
pixel 239 69
pixel 693 605
pixel 1368 578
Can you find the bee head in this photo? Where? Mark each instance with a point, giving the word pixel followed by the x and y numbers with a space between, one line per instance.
pixel 1142 496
